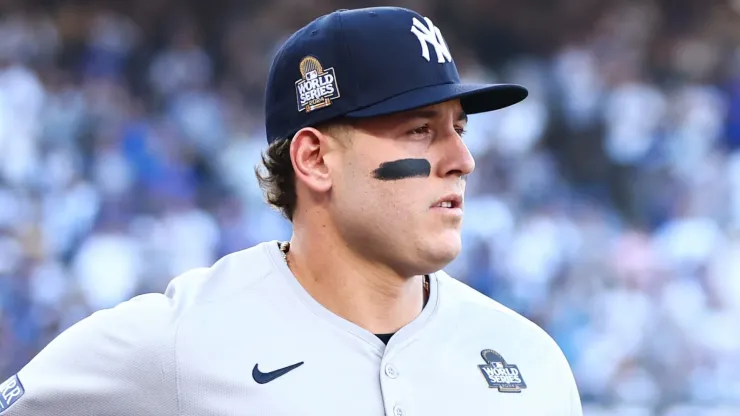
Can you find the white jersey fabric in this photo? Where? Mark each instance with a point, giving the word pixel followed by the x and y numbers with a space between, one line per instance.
pixel 200 348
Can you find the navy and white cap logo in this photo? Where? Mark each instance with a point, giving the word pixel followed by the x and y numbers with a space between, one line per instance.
pixel 365 63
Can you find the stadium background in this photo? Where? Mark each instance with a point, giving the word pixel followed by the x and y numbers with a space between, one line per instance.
pixel 606 207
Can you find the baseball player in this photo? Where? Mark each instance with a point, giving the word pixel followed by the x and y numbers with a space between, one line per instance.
pixel 365 114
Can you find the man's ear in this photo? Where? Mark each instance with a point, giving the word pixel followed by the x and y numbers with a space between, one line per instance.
pixel 307 153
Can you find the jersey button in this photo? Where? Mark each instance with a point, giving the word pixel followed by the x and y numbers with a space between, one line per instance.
pixel 391 371
pixel 397 411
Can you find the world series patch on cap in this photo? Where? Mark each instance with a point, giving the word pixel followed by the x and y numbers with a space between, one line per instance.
pixel 366 63
pixel 317 87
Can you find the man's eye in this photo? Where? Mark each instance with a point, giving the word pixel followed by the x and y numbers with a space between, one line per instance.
pixel 461 131
pixel 421 130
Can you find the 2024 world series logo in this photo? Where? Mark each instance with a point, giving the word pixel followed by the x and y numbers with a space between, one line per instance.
pixel 317 87
pixel 500 375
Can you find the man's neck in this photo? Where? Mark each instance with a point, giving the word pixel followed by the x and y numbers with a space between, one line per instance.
pixel 369 295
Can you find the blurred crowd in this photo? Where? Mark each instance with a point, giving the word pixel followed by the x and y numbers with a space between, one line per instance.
pixel 606 207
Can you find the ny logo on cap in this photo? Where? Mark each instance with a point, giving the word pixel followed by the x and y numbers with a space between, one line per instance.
pixel 431 35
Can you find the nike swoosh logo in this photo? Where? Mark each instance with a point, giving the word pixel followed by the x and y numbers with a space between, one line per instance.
pixel 263 378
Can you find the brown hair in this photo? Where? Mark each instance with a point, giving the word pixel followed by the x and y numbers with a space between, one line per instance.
pixel 278 179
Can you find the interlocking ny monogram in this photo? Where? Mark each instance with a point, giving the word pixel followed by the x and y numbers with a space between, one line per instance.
pixel 431 34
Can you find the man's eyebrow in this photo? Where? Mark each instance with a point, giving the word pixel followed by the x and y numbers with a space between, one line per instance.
pixel 426 113
pixel 463 116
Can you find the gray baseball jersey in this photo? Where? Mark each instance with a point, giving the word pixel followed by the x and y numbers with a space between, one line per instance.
pixel 244 338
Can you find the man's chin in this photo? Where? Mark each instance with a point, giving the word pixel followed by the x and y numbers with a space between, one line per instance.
pixel 440 255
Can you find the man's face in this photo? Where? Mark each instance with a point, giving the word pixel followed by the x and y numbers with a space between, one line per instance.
pixel 397 188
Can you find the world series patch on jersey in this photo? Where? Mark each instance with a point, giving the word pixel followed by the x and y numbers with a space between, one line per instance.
pixel 10 391
pixel 499 374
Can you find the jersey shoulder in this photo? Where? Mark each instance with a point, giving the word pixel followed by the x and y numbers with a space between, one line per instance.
pixel 230 275
pixel 124 356
pixel 487 319
pixel 476 302
pixel 485 314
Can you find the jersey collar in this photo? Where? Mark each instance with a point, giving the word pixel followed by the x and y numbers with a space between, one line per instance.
pixel 401 337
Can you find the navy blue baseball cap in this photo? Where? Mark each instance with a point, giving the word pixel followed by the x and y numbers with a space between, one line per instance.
pixel 365 63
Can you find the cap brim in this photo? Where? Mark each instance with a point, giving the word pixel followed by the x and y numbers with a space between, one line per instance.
pixel 474 98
